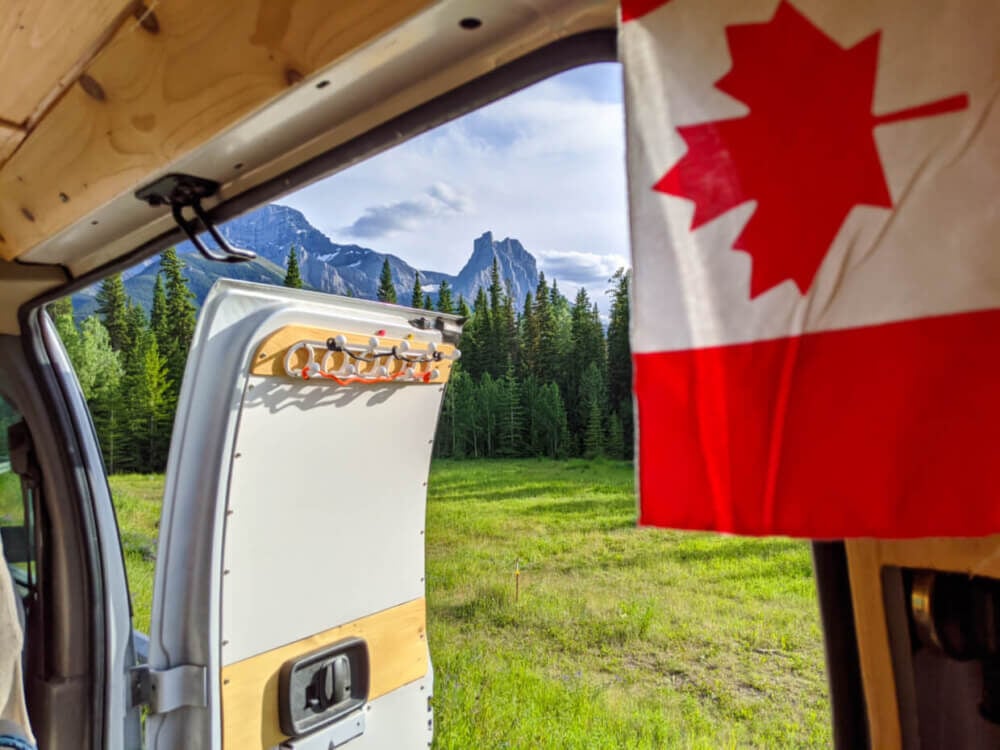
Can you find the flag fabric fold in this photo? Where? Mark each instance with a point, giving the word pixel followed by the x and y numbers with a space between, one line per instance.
pixel 816 255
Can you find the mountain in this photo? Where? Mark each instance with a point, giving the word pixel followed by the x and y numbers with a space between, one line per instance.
pixel 325 265
pixel 201 274
pixel 517 267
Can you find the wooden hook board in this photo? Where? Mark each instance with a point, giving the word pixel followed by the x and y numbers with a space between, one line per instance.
pixel 269 359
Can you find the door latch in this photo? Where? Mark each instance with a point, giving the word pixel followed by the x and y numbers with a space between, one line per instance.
pixel 319 688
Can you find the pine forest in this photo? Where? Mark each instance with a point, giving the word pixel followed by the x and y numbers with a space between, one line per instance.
pixel 541 376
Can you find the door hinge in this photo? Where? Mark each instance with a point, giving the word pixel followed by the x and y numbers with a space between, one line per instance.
pixel 164 690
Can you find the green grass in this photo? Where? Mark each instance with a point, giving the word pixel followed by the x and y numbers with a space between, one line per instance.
pixel 619 637
pixel 137 504
pixel 11 500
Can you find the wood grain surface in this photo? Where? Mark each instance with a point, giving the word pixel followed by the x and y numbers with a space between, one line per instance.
pixel 157 91
pixel 397 652
pixel 269 358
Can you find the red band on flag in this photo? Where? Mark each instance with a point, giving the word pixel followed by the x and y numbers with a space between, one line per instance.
pixel 632 9
pixel 889 430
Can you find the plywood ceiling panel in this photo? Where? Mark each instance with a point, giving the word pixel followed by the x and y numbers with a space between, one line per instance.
pixel 159 90
pixel 43 43
pixel 10 137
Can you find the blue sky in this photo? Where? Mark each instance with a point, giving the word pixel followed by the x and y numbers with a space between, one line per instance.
pixel 545 165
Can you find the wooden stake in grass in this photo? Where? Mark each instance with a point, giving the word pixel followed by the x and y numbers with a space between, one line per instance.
pixel 517 579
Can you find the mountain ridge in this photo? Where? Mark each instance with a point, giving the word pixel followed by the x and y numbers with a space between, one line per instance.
pixel 325 265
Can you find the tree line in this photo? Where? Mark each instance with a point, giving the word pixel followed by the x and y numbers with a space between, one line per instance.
pixel 542 380
pixel 130 364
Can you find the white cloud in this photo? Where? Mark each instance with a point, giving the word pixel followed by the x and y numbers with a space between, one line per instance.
pixel 439 199
pixel 449 197
pixel 545 165
pixel 587 269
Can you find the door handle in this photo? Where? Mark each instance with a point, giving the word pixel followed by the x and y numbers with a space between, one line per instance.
pixel 330 685
pixel 322 686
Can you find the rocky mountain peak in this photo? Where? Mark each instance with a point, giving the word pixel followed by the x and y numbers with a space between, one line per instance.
pixel 328 266
pixel 517 267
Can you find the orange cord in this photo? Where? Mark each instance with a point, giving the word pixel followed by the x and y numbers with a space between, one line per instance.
pixel 426 377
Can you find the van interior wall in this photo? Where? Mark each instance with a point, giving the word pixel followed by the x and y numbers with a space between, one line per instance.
pixel 60 649
pixel 20 282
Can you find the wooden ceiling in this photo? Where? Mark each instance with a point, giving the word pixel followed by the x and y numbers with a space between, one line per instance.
pixel 102 94
pixel 43 46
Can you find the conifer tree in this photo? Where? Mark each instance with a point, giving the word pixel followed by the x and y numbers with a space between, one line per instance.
pixel 95 361
pixel 99 372
pixel 592 401
pixel 462 309
pixel 546 352
pixel 553 420
pixel 476 344
pixel 508 332
pixel 428 303
pixel 619 370
pixel 386 290
pixel 136 326
pixel 69 334
pixel 467 417
pixel 497 364
pixel 62 306
pixel 490 405
pixel 455 422
pixel 293 278
pixel 418 293
pixel 586 346
pixel 112 309
pixel 534 428
pixel 593 434
pixel 445 303
pixel 562 341
pixel 546 431
pixel 152 411
pixel 616 441
pixel 180 318
pixel 61 312
pixel 529 338
pixel 446 437
pixel 586 331
pixel 511 415
pixel 495 289
pixel 158 312
pixel 619 351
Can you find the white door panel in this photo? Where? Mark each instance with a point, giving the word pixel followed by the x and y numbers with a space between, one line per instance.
pixel 326 509
pixel 409 706
pixel 293 522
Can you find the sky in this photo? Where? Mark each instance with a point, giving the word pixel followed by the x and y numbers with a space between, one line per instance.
pixel 545 165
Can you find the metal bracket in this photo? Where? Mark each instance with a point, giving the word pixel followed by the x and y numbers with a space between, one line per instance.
pixel 168 689
pixel 180 191
pixel 331 736
pixel 451 330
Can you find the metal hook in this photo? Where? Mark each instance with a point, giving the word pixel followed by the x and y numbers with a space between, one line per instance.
pixel 180 190
pixel 230 254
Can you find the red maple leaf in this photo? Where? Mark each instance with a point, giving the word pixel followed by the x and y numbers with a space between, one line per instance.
pixel 806 152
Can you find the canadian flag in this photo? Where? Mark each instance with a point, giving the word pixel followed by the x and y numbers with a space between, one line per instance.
pixel 814 190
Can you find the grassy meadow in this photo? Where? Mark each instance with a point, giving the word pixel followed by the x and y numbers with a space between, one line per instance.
pixel 617 638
